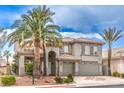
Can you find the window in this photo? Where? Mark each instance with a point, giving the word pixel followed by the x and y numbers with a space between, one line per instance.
pixel 87 50
pixel 95 50
pixel 83 50
pixel 66 49
pixel 91 50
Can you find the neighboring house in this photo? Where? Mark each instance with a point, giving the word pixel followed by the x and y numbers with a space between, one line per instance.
pixel 2 66
pixel 79 56
pixel 117 62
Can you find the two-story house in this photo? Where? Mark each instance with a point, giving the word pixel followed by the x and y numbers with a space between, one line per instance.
pixel 79 56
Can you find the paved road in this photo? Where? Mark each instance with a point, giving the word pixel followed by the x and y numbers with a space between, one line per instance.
pixel 105 86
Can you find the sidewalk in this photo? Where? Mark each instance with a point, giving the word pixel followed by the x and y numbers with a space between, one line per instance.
pixel 97 81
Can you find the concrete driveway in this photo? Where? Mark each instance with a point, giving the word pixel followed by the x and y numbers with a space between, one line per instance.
pixel 97 80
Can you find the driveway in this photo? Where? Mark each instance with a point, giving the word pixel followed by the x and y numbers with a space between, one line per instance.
pixel 97 81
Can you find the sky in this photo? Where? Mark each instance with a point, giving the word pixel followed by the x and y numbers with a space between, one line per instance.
pixel 74 20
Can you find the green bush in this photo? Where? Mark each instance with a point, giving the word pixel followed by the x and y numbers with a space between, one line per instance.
pixel 58 80
pixel 67 80
pixel 8 80
pixel 14 67
pixel 122 75
pixel 69 76
pixel 116 74
pixel 29 69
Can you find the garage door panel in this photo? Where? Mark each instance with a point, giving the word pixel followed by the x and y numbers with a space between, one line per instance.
pixel 68 68
pixel 88 68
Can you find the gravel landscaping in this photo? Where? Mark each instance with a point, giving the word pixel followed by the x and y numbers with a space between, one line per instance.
pixel 27 81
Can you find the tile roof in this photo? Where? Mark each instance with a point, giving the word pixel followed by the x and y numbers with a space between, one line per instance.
pixel 81 40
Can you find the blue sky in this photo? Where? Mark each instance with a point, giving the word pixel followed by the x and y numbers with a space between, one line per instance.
pixel 74 21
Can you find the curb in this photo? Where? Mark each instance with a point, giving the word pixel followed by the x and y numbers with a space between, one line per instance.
pixel 57 86
pixel 97 85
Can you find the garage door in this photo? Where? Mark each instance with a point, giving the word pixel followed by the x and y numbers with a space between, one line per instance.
pixel 88 68
pixel 68 68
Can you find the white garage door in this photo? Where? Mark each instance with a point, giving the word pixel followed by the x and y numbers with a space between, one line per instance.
pixel 68 68
pixel 88 68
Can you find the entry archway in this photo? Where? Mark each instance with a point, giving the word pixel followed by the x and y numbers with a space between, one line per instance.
pixel 52 63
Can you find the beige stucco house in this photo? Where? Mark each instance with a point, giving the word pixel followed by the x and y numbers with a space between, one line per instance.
pixel 80 56
pixel 117 62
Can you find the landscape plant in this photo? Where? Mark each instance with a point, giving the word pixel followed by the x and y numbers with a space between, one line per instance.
pixel 29 68
pixel 8 80
pixel 14 67
pixel 122 75
pixel 58 80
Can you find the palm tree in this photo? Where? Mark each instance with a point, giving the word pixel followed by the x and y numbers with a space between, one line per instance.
pixel 30 26
pixel 109 36
pixel 7 54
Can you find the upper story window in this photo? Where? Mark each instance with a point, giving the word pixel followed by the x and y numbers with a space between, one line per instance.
pixel 89 50
pixel 65 48
pixel 95 50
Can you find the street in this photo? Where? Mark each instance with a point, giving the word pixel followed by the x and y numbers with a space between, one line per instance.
pixel 105 86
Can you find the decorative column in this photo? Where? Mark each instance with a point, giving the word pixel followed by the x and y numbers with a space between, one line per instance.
pixel 56 66
pixel 21 66
pixel 47 63
pixel 60 68
pixel 99 68
pixel 76 68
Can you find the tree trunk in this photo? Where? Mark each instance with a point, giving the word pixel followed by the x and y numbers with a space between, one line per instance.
pixel 44 59
pixel 36 69
pixel 109 60
pixel 8 71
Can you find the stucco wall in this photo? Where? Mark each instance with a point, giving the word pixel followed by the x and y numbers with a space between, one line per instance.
pixel 77 50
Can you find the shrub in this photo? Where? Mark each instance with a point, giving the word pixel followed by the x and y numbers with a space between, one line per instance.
pixel 58 80
pixel 69 76
pixel 8 80
pixel 116 74
pixel 29 69
pixel 14 67
pixel 67 80
pixel 122 75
